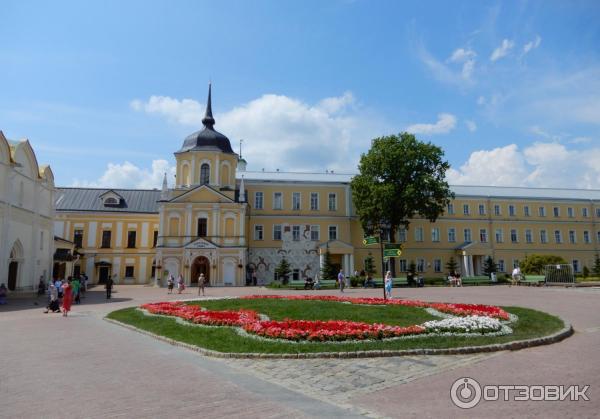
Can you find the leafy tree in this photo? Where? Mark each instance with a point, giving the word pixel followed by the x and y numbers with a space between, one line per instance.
pixel 535 264
pixel 596 268
pixel 370 265
pixel 399 178
pixel 489 266
pixel 586 271
pixel 451 265
pixel 283 270
pixel 328 271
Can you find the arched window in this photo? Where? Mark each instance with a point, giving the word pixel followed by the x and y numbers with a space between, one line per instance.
pixel 204 174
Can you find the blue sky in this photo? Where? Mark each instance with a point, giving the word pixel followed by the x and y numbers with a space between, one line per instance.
pixel 107 91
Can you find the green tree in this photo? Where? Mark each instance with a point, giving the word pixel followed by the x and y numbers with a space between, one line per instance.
pixel 328 271
pixel 489 266
pixel 370 265
pixel 586 271
pixel 596 268
pixel 399 178
pixel 412 268
pixel 535 264
pixel 451 265
pixel 283 271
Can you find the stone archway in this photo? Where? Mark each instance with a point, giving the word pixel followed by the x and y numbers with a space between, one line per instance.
pixel 201 265
pixel 14 265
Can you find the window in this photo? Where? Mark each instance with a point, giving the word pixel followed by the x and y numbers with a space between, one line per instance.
pixel 514 236
pixel 332 202
pixel 202 227
pixel 543 236
pixel 586 237
pixel 315 233
pixel 497 209
pixel 483 235
pixel 296 233
pixel 314 201
pixel 401 235
pixel 572 238
pixel 528 236
pixel 466 209
pixel 419 234
pixel 598 237
pixel 277 200
pixel 258 232
pixel 451 235
pixel 277 232
pixel 155 239
pixel 332 232
pixel 450 209
pixel 467 234
pixel 542 211
pixel 576 266
pixel 296 201
pixel 295 274
pixel 501 265
pixel 131 236
pixel 402 265
pixel 570 212
pixel 111 202
pixel 557 236
pixel 129 271
pixel 481 209
pixel 598 212
pixel 556 211
pixel 420 265
pixel 499 236
pixel 515 263
pixel 512 211
pixel 435 234
pixel 526 210
pixel 204 174
pixel 437 265
pixel 106 239
pixel 258 200
pixel 78 238
pixel 584 212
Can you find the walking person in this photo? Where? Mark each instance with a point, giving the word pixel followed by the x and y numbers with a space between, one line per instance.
pixel 170 283
pixel 67 298
pixel 201 283
pixel 109 286
pixel 180 284
pixel 76 285
pixel 388 284
pixel 341 280
pixel 58 284
pixel 53 302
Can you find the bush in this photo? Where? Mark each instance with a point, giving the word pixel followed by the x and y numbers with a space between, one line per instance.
pixel 535 264
pixel 586 272
pixel 355 281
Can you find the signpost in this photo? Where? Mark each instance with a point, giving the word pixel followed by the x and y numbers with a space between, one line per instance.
pixel 392 250
pixel 369 240
pixel 389 250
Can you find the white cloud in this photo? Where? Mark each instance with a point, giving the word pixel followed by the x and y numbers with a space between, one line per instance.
pixel 466 57
pixel 471 125
pixel 481 100
pixel 128 175
pixel 502 50
pixel 446 122
pixel 283 132
pixel 542 164
pixel 446 74
pixel 580 140
pixel 532 44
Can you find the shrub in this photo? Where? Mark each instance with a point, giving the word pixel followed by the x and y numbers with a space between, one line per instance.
pixel 354 281
pixel 586 271
pixel 535 264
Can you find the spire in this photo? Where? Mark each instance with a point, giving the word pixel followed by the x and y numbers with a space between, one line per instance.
pixel 164 194
pixel 242 196
pixel 208 121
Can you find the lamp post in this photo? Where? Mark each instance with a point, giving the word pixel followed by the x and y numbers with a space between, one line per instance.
pixel 381 227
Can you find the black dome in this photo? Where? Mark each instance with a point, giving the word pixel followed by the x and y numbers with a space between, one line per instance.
pixel 207 138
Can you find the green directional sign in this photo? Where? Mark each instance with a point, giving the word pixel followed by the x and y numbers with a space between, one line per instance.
pixel 392 250
pixel 369 240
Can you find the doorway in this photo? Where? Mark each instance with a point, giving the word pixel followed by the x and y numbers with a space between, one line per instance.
pixel 13 270
pixel 201 265
pixel 103 274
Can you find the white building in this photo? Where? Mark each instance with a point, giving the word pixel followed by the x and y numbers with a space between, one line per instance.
pixel 26 217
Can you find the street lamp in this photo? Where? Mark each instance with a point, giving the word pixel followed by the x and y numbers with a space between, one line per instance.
pixel 381 227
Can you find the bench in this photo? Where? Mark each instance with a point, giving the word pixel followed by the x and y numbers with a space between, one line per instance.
pixel 529 280
pixel 396 282
pixel 476 280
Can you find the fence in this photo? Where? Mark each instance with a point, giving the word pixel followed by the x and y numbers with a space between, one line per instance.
pixel 559 274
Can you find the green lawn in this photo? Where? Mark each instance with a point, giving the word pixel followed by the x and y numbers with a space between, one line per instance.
pixel 223 339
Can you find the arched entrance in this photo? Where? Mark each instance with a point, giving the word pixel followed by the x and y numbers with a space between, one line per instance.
pixel 201 265
pixel 16 256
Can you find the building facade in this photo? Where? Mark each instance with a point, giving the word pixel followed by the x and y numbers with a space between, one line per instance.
pixel 230 224
pixel 26 216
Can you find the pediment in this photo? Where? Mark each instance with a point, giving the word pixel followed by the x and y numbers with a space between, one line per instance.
pixel 200 244
pixel 202 193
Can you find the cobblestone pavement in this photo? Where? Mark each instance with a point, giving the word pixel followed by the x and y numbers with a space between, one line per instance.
pixel 82 366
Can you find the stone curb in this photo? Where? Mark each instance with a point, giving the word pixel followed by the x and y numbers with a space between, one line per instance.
pixel 564 333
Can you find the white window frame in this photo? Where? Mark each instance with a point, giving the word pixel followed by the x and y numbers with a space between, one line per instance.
pixel 543 236
pixel 497 209
pixel 259 232
pixel 296 206
pixel 315 229
pixel 556 211
pixel 329 229
pixel 452 235
pixel 437 265
pixel 419 234
pixel 528 236
pixel 481 209
pixel 586 237
pixel 280 232
pixel 570 212
pixel 421 265
pixel 483 235
pixel 470 235
pixel 512 211
pixel 558 237
pixel 542 211
pixel 585 212
pixel 259 197
pixel 499 235
pixel 450 209
pixel 572 236
pixel 314 201
pixel 435 234
pixel 402 235
pixel 466 209
pixel 526 211
pixel 514 235
pixel 296 233
pixel 329 201
pixel 501 267
pixel 275 194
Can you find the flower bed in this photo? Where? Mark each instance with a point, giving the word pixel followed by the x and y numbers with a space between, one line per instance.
pixel 469 319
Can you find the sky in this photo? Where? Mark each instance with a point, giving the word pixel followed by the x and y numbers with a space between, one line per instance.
pixel 106 91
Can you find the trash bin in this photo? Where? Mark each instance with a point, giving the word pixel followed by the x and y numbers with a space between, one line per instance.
pixel 493 277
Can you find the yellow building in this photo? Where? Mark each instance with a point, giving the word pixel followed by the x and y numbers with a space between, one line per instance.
pixel 230 224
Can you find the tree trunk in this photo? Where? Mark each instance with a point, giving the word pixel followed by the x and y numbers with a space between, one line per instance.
pixel 393 260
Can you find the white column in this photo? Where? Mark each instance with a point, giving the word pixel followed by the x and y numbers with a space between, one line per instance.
pixel 188 221
pixel 242 232
pixel 119 240
pixel 466 266
pixel 141 277
pixel 352 268
pixel 471 266
pixel 217 171
pixel 89 269
pixel 321 260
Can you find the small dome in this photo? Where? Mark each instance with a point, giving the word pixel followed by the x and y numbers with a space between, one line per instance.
pixel 207 138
